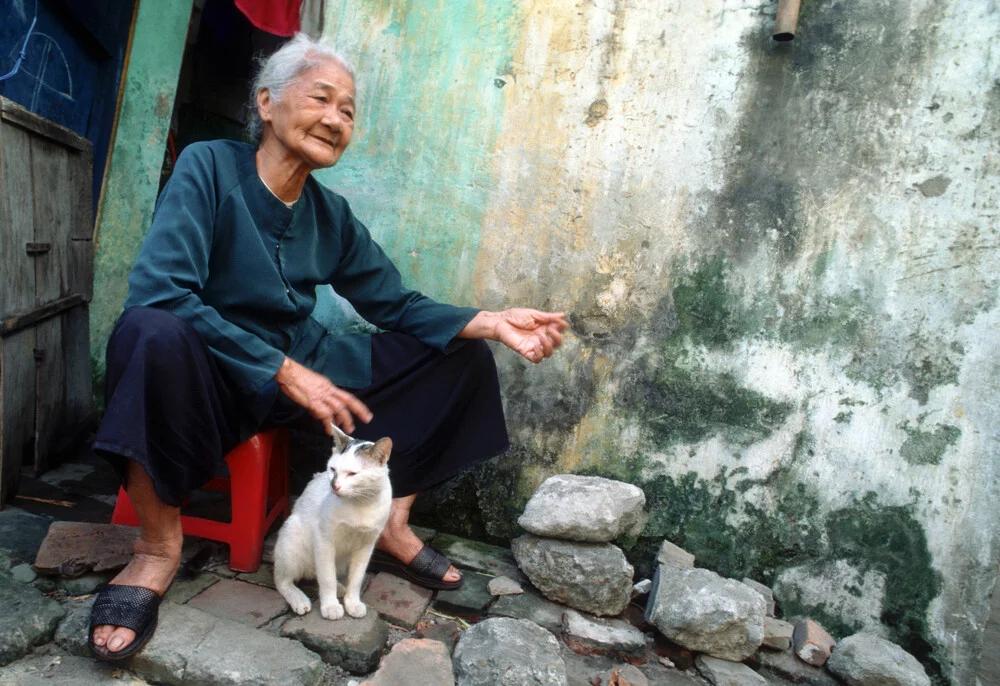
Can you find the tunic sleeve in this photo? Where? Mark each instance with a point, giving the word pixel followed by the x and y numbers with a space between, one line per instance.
pixel 173 268
pixel 369 280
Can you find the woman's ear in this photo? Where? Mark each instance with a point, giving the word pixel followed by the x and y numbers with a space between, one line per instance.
pixel 264 104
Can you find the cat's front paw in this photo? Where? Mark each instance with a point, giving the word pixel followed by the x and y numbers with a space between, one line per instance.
pixel 332 610
pixel 296 599
pixel 355 607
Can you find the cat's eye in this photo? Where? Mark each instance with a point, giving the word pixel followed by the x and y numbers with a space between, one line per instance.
pixel 349 474
pixel 333 472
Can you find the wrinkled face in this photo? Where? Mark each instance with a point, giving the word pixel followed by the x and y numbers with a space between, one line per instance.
pixel 314 118
pixel 357 469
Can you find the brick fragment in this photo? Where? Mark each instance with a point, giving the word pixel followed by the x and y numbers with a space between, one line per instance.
pixel 812 643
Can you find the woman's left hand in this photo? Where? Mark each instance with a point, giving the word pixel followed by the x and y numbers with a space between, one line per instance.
pixel 530 333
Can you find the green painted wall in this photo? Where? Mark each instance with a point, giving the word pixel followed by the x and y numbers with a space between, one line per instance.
pixel 431 78
pixel 136 159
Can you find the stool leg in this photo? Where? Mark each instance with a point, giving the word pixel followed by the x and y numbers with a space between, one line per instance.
pixel 248 468
pixel 124 513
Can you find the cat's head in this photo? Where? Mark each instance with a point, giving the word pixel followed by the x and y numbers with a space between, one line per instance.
pixel 357 469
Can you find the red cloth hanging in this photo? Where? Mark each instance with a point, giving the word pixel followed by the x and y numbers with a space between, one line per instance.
pixel 280 17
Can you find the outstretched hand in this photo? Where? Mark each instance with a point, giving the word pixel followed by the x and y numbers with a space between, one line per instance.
pixel 530 333
pixel 326 402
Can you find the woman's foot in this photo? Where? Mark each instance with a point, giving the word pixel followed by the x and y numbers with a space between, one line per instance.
pixel 153 566
pixel 398 538
pixel 157 552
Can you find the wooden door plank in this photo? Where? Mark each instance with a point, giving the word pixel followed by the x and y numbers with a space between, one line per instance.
pixel 80 268
pixel 82 215
pixel 12 113
pixel 79 384
pixel 50 175
pixel 50 390
pixel 17 408
pixel 17 290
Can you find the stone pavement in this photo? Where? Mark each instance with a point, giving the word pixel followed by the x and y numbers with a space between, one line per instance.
pixel 221 627
pixel 217 627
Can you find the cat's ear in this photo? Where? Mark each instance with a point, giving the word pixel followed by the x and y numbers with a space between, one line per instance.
pixel 340 439
pixel 381 451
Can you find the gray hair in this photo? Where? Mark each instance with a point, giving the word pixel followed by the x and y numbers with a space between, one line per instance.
pixel 278 71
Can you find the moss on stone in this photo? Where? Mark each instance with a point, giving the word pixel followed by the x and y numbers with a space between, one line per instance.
pixel 928 447
pixel 890 540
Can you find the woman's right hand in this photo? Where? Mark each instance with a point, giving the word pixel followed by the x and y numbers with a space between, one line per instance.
pixel 316 393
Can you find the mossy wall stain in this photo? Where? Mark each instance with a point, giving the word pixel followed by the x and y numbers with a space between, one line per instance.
pixel 928 447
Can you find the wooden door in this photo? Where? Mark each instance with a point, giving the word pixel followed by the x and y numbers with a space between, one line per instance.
pixel 46 281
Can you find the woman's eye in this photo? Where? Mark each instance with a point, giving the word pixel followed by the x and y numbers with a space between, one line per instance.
pixel 348 114
pixel 321 98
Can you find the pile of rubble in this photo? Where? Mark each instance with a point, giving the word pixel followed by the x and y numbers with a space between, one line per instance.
pixel 727 625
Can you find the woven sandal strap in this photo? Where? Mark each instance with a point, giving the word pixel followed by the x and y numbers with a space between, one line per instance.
pixel 431 563
pixel 131 607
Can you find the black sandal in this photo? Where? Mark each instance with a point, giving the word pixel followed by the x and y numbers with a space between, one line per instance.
pixel 426 569
pixel 128 607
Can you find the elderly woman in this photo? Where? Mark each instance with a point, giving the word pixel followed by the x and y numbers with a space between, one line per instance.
pixel 217 341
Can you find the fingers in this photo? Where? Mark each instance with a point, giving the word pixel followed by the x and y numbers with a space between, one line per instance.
pixel 340 408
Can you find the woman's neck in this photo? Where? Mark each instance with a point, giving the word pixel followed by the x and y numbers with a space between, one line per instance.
pixel 283 174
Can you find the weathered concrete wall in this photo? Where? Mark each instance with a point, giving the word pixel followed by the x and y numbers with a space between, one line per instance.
pixel 781 264
pixel 135 161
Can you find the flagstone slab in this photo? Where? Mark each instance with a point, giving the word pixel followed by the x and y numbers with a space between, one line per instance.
pixel 72 549
pixel 352 644
pixel 240 601
pixel 65 670
pixel 397 600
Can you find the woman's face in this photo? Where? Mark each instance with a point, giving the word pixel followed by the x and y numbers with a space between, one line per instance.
pixel 314 119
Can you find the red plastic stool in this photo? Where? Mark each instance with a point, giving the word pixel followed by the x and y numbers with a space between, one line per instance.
pixel 258 472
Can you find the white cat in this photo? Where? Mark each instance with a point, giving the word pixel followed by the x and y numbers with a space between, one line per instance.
pixel 334 526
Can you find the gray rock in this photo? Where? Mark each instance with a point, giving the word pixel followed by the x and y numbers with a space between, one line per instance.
pixel 468 600
pixel 198 649
pixel 701 611
pixel 593 577
pixel 22 534
pixel 23 573
pixel 784 666
pixel 725 673
pixel 502 585
pixel 27 618
pixel 584 508
pixel 764 591
pixel 65 670
pixel 777 634
pixel 642 588
pixel 510 652
pixel 868 660
pixel 415 662
pixel 480 557
pixel 71 635
pixel 86 584
pixel 531 606
pixel 45 584
pixel 605 636
pixel 673 555
pixel 353 644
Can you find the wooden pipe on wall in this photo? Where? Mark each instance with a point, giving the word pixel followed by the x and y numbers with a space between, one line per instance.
pixel 786 19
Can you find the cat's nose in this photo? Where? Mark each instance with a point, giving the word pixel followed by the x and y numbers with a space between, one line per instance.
pixel 336 487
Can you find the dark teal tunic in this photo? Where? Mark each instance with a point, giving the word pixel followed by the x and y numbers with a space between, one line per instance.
pixel 227 256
